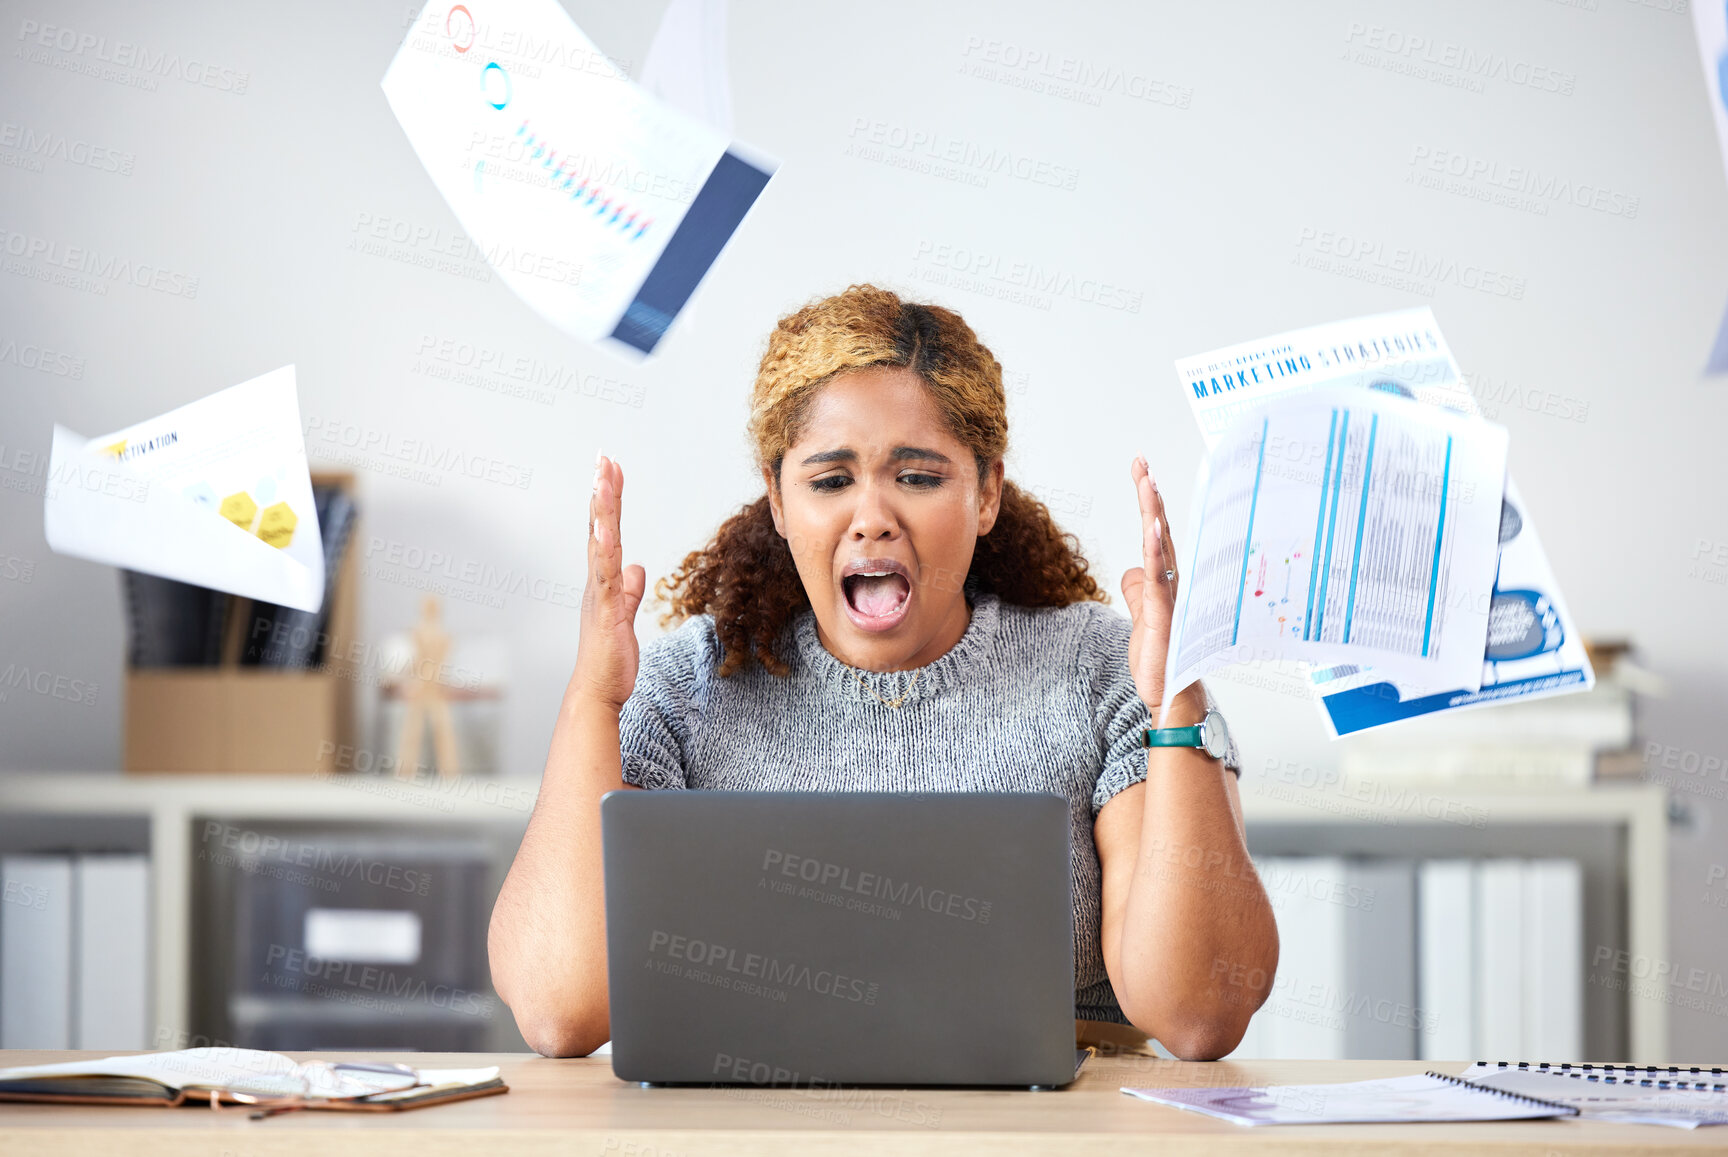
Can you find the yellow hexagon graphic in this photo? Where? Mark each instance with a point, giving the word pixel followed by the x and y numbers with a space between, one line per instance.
pixel 277 525
pixel 239 509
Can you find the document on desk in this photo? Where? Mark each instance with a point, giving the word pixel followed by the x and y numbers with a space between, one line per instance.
pixel 1343 526
pixel 1431 1097
pixel 599 206
pixel 216 493
pixel 1533 648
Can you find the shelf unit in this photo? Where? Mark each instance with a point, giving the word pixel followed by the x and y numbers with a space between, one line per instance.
pixel 1350 817
pixel 172 807
pixel 1394 816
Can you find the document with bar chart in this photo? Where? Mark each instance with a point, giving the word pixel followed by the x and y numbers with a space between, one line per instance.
pixel 1343 526
pixel 1533 648
pixel 599 206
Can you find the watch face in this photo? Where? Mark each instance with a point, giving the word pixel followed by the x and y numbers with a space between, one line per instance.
pixel 1215 734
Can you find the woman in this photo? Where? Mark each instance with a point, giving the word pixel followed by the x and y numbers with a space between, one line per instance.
pixel 894 614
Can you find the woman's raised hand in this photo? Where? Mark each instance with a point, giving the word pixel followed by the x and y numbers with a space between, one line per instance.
pixel 1151 596
pixel 606 654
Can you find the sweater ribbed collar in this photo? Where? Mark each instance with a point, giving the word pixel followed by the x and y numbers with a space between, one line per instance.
pixel 959 665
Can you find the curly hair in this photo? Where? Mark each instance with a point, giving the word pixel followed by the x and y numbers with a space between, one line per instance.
pixel 746 578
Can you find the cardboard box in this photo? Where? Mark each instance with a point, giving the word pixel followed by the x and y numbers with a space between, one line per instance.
pixel 250 720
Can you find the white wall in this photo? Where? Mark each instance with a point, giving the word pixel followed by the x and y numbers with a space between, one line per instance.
pixel 1278 130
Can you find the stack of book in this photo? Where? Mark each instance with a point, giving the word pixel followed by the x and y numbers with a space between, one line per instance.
pixel 74 951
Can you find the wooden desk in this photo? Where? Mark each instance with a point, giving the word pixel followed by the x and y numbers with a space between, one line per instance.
pixel 578 1107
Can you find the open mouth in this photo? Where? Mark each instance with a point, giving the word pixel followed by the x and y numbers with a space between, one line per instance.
pixel 877 599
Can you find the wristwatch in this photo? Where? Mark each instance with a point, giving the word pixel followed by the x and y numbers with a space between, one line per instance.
pixel 1210 735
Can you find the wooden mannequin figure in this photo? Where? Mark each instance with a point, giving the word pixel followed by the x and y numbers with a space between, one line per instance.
pixel 427 700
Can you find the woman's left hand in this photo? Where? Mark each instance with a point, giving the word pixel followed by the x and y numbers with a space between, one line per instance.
pixel 1151 596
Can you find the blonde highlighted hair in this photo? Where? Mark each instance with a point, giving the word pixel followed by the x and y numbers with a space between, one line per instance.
pixel 746 578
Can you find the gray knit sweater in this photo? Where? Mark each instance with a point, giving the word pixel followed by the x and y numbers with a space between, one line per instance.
pixel 1028 700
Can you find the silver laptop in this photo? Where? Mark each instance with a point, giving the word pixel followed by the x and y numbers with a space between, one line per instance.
pixel 806 939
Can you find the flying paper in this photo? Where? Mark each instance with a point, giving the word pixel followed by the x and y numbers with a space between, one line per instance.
pixel 686 63
pixel 1711 24
pixel 215 493
pixel 601 207
pixel 1343 526
pixel 1533 647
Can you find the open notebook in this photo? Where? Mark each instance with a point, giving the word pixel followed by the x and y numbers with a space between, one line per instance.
pixel 1682 1097
pixel 1432 1097
pixel 264 1080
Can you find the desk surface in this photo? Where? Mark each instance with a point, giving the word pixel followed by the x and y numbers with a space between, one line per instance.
pixel 579 1107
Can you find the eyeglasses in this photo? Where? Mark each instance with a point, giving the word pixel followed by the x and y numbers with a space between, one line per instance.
pixel 326 1081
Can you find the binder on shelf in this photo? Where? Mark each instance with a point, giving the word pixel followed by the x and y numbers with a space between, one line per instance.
pixel 1446 972
pixel 1390 959
pixel 1500 963
pixel 1554 958
pixel 1306 894
pixel 36 953
pixel 110 1009
pixel 1381 1013
pixel 172 623
pixel 286 638
pixel 1346 982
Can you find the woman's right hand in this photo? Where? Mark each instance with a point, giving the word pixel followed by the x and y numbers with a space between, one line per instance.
pixel 606 654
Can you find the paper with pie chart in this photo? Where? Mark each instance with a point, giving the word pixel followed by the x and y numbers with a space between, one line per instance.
pixel 599 206
pixel 215 493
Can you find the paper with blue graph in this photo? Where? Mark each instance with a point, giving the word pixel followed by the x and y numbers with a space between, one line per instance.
pixel 599 206
pixel 1533 649
pixel 1710 21
pixel 1343 526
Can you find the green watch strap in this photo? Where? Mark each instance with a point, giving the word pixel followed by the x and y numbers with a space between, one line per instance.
pixel 1172 737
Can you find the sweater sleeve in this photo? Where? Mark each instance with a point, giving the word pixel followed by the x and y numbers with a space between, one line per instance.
pixel 658 722
pixel 1118 715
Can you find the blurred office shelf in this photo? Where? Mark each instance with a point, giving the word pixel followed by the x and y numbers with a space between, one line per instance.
pixel 1617 831
pixel 343 796
pixel 1621 829
pixel 177 818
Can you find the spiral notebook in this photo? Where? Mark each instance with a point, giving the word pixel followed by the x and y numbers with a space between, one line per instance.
pixel 1679 1096
pixel 1430 1097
